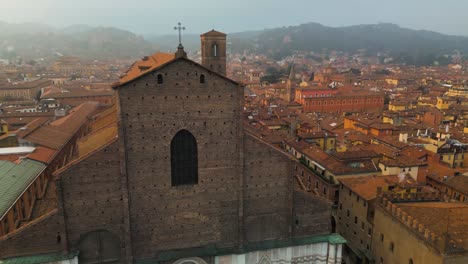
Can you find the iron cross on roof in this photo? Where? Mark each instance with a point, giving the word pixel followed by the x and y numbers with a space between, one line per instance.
pixel 179 27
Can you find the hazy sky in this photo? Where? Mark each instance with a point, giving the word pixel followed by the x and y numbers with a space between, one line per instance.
pixel 159 16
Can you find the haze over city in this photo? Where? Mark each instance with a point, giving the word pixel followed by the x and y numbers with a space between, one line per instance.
pixel 158 16
pixel 233 132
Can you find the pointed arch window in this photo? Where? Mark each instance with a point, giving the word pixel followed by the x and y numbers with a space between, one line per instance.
pixel 184 159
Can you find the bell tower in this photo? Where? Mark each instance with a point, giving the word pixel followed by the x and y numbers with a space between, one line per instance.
pixel 213 49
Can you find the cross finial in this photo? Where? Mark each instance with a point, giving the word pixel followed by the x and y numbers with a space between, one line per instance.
pixel 179 27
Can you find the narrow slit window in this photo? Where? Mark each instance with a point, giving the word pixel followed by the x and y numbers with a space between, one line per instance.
pixel 215 50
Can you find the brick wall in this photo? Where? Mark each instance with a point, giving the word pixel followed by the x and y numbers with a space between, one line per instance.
pixel 38 237
pixel 267 191
pixel 312 215
pixel 91 195
pixel 165 217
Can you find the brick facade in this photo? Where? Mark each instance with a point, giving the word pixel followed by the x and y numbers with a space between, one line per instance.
pixel 244 193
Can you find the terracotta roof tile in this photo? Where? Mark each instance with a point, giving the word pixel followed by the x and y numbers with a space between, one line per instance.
pixel 441 218
pixel 366 186
pixel 57 133
pixel 42 154
pixel 145 65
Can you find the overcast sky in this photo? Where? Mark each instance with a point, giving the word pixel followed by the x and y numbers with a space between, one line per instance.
pixel 159 16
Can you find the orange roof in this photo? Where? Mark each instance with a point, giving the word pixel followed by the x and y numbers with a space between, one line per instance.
pixel 145 65
pixel 42 154
pixel 442 218
pixel 366 186
pixel 57 133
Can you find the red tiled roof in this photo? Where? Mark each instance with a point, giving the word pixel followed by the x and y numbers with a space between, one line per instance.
pixel 366 186
pixel 42 154
pixel 57 133
pixel 145 65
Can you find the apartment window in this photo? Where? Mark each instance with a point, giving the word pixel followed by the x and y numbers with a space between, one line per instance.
pixel 381 260
pixel 392 247
pixel 349 192
pixel 369 231
pixel 202 78
pixel 341 206
pixel 324 190
pixel 347 213
pixel 362 225
pixel 410 261
pixel 355 219
pixel 357 198
pixel 381 237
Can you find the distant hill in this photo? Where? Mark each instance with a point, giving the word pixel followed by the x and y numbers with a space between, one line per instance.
pixel 390 38
pixel 420 47
pixel 34 41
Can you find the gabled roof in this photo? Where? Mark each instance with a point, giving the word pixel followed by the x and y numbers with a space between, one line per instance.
pixel 124 80
pixel 145 65
pixel 58 133
pixel 213 33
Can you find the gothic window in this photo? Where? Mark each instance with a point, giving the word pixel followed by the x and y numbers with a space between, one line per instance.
pixel 215 50
pixel 160 78
pixel 184 160
pixel 202 78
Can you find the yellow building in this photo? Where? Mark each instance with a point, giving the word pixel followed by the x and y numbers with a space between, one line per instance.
pixel 458 92
pixel 3 127
pixel 391 81
pixel 444 103
pixel 418 228
pixel 400 105
pixel 324 140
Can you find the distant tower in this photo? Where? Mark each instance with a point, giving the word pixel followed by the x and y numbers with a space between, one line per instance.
pixel 213 48
pixel 290 90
